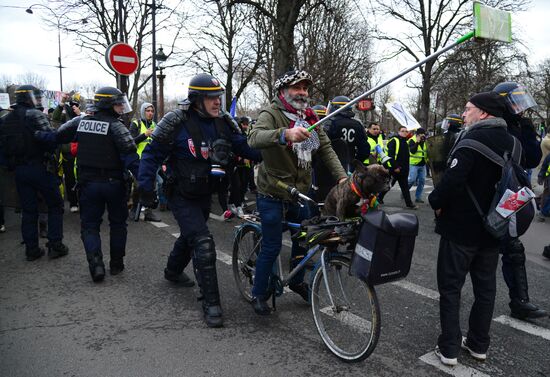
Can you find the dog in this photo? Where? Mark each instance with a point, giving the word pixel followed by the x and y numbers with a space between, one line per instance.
pixel 365 181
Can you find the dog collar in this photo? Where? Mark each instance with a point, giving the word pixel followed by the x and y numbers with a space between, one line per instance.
pixel 355 189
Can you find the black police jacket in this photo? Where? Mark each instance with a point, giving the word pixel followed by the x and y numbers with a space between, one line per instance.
pixel 351 132
pixel 459 220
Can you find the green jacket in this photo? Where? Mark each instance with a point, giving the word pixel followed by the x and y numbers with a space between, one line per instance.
pixel 280 162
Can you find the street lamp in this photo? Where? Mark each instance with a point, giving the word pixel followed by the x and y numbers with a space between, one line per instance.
pixel 161 57
pixel 58 18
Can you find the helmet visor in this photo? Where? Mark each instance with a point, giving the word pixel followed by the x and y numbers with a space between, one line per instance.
pixel 445 124
pixel 519 100
pixel 122 105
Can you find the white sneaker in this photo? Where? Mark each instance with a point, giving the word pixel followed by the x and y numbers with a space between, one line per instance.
pixel 240 212
pixel 232 208
pixel 73 209
pixel 451 362
pixel 475 355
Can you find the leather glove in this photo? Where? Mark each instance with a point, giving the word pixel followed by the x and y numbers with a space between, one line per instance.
pixel 148 199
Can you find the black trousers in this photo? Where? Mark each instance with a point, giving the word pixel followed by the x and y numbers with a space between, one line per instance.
pixel 453 263
pixel 403 179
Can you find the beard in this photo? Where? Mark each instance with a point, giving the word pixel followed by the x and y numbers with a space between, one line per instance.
pixel 298 102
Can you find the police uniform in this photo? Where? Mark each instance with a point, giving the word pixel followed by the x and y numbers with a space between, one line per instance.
pixel 29 159
pixel 192 142
pixel 105 151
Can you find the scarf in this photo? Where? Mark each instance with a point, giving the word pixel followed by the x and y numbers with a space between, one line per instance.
pixel 302 118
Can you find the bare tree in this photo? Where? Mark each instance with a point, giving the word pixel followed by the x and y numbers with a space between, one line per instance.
pixel 228 46
pixel 102 28
pixel 288 14
pixel 31 78
pixel 541 89
pixel 430 25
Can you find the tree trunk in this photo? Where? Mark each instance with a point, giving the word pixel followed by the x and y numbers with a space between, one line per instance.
pixel 283 48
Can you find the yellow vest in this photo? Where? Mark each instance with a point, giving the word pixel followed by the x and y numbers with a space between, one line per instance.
pixel 141 146
pixel 548 171
pixel 373 144
pixel 416 158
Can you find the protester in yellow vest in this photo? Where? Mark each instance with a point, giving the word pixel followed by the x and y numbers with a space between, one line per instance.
pixel 417 162
pixel 141 130
pixel 374 137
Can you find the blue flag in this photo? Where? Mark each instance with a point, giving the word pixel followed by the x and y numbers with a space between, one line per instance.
pixel 233 109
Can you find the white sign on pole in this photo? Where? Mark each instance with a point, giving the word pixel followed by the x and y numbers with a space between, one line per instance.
pixel 402 116
pixel 4 101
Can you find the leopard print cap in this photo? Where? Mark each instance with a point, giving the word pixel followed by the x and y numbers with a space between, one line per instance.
pixel 291 78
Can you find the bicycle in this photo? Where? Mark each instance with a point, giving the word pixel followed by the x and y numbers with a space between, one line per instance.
pixel 345 308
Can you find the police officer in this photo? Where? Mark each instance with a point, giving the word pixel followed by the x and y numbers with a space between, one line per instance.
pixel 346 134
pixel 199 143
pixel 320 110
pixel 518 99
pixel 105 150
pixel 35 171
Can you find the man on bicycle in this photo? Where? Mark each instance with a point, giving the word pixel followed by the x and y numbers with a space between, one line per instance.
pixel 287 148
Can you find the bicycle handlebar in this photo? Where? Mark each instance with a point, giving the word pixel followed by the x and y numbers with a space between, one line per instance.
pixel 293 191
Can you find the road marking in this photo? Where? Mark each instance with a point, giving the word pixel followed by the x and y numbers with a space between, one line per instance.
pixel 348 318
pixel 457 371
pixel 524 326
pixel 429 293
pixel 123 59
pixel 158 224
pixel 224 257
pixel 216 217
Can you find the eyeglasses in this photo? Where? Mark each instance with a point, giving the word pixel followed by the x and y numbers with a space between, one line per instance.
pixel 468 108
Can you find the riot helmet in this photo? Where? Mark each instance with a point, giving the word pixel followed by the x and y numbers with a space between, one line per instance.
pixel 452 122
pixel 107 97
pixel 517 96
pixel 338 102
pixel 28 94
pixel 201 86
pixel 320 110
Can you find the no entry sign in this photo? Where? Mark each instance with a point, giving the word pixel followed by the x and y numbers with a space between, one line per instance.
pixel 122 58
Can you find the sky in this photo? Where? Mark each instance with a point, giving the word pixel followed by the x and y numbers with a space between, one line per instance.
pixel 30 46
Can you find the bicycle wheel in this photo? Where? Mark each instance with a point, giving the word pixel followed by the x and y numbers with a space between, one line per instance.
pixel 349 324
pixel 246 246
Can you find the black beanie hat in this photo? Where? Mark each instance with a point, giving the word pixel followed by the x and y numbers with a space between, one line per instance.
pixel 420 131
pixel 490 102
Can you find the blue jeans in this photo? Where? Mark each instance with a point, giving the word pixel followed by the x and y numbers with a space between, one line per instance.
pixel 273 212
pixel 30 180
pixel 94 197
pixel 417 174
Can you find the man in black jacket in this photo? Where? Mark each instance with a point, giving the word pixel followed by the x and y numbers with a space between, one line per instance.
pixel 397 150
pixel 465 246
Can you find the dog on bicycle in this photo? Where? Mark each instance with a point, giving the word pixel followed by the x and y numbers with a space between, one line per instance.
pixel 365 181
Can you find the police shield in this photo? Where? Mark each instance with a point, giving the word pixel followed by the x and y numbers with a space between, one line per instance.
pixel 437 151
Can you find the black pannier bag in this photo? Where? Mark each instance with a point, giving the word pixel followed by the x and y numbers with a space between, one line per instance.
pixel 384 249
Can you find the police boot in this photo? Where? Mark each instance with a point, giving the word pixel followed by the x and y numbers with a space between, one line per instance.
pixel 57 249
pixel 97 268
pixel 179 279
pixel 34 253
pixel 210 296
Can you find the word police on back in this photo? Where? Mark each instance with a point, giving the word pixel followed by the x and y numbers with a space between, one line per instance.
pixel 93 127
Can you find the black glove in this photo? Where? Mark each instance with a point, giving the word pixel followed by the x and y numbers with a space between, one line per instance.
pixel 148 199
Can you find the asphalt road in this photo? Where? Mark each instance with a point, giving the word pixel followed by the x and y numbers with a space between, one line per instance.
pixel 54 321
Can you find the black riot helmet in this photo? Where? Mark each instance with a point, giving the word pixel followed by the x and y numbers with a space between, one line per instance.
pixel 28 94
pixel 337 102
pixel 452 122
pixel 517 96
pixel 204 85
pixel 107 97
pixel 320 110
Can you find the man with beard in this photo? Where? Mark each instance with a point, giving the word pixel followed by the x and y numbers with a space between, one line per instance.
pixel 287 148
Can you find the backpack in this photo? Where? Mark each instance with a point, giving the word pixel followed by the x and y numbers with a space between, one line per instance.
pixel 514 178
